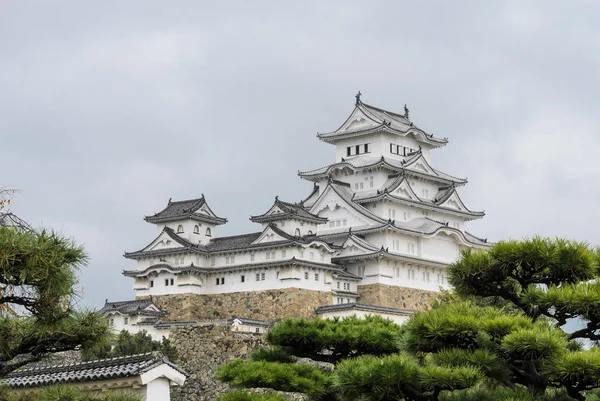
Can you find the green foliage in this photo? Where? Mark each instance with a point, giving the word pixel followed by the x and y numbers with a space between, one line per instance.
pixel 395 377
pixel 341 338
pixel 64 393
pixel 239 396
pixel 131 344
pixel 278 376
pixel 497 337
pixel 540 276
pixel 579 368
pixel 38 277
pixel 275 354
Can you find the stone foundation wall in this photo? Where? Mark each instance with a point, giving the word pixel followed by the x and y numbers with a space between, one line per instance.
pixel 267 305
pixel 395 297
pixel 201 350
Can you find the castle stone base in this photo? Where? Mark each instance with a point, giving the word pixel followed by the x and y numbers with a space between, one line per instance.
pixel 395 297
pixel 266 305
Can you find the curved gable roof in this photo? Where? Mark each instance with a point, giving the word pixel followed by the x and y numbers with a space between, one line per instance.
pixel 287 211
pixel 380 120
pixel 186 209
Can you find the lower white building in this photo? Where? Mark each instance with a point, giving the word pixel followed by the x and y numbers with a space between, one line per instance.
pixel 149 376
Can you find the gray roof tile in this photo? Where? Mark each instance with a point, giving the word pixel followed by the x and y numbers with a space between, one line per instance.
pixel 185 209
pixel 128 366
pixel 356 306
pixel 134 307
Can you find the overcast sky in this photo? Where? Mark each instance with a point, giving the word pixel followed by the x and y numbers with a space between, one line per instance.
pixel 109 108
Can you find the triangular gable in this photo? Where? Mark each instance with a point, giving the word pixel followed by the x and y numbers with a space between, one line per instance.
pixel 354 245
pixel 421 164
pixel 454 202
pixel 404 190
pixel 152 308
pixel 330 201
pixel 358 120
pixel 269 235
pixel 163 241
pixel 205 210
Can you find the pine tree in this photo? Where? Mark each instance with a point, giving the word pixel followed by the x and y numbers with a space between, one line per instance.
pixel 497 337
pixel 38 278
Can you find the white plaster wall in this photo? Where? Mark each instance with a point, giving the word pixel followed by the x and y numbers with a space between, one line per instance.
pixel 343 299
pixel 158 390
pixel 248 328
pixel 441 248
pixel 188 230
pixel 289 226
pixel 372 140
pixel 398 319
pixel 340 214
pixel 288 278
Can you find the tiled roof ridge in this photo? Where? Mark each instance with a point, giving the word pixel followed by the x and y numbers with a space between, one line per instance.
pixel 353 305
pixel 121 303
pixel 404 164
pixel 185 209
pixel 241 267
pixel 235 236
pixel 149 356
pixel 196 200
pixel 295 210
pixel 368 106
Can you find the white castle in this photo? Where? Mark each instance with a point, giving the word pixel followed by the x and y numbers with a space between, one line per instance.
pixel 374 236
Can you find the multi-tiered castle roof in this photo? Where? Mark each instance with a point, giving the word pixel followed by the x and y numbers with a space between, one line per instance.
pixel 379 227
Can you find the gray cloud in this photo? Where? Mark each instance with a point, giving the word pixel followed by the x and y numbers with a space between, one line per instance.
pixel 109 109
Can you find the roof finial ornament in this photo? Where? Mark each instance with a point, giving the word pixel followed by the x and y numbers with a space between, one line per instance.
pixel 358 102
pixel 406 111
pixel 349 233
pixel 170 200
pixel 276 197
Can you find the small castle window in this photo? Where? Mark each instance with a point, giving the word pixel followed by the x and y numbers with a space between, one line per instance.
pixel 112 322
pixel 179 229
pixel 257 330
pixel 151 283
pixel 208 232
pixel 297 232
pixel 305 275
pixel 196 229
pixel 171 281
pixel 166 281
pixel 126 320
pixel 316 276
pixel 243 278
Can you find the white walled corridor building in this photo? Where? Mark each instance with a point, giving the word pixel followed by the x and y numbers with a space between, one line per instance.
pixel 378 229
